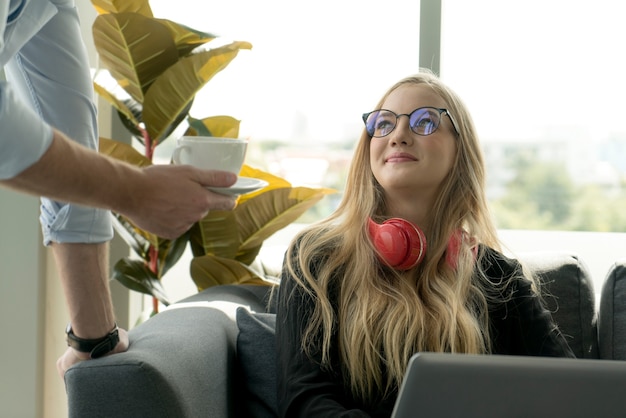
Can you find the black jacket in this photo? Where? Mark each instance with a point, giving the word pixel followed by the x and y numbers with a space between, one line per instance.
pixel 519 326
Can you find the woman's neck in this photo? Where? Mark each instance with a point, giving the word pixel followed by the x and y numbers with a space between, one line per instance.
pixel 414 210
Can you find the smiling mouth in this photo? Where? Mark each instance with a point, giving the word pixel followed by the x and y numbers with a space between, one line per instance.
pixel 400 158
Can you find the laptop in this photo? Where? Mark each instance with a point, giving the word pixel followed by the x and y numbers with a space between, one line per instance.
pixel 472 386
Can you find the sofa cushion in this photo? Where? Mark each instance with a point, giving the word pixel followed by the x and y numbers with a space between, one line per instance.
pixel 612 313
pixel 567 289
pixel 256 359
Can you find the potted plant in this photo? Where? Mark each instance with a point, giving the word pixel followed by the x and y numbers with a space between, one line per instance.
pixel 156 67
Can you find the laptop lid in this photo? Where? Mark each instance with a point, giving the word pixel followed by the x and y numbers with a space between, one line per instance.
pixel 472 386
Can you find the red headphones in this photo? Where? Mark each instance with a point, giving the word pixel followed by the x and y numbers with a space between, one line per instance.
pixel 402 245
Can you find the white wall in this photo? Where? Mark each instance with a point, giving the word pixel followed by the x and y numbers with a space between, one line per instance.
pixel 22 261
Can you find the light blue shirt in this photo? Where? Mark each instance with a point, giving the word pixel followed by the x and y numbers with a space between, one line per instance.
pixel 48 84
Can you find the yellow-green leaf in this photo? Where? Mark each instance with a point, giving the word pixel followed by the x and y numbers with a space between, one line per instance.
pixel 220 126
pixel 120 6
pixel 174 90
pixel 186 38
pixel 136 276
pixel 127 153
pixel 260 217
pixel 136 49
pixel 274 182
pixel 124 152
pixel 115 102
pixel 208 270
pixel 218 234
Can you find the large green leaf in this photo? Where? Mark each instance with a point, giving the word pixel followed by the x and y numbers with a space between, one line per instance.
pixel 170 252
pixel 132 236
pixel 209 270
pixel 186 38
pixel 260 217
pixel 220 126
pixel 135 275
pixel 218 234
pixel 120 6
pixel 124 107
pixel 173 90
pixel 123 152
pixel 274 182
pixel 136 49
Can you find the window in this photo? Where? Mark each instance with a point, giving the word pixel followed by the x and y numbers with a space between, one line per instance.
pixel 545 83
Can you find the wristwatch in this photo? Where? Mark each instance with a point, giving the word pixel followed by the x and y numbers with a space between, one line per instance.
pixel 96 347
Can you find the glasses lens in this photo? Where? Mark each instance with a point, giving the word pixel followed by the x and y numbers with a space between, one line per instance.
pixel 424 121
pixel 380 123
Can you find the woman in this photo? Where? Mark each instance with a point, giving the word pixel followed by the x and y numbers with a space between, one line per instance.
pixel 352 311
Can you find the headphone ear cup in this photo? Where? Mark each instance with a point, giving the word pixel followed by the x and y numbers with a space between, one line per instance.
pixel 400 244
pixel 454 247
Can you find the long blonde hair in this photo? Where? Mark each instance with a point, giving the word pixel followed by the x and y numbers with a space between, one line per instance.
pixel 382 316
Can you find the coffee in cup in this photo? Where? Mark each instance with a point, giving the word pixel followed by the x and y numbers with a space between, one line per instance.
pixel 211 153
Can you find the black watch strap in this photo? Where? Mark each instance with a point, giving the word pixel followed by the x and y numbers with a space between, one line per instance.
pixel 95 347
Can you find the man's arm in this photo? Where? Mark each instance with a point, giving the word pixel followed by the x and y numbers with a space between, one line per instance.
pixel 83 269
pixel 163 199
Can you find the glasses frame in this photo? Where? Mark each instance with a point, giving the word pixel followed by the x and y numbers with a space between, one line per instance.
pixel 441 111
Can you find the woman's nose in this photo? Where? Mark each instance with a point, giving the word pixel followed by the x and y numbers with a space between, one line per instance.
pixel 402 133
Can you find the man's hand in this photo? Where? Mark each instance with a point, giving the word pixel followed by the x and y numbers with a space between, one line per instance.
pixel 169 199
pixel 71 356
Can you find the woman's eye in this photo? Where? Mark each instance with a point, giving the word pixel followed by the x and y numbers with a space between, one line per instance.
pixel 384 125
pixel 424 125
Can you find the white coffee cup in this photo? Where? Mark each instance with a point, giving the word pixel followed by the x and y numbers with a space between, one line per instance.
pixel 211 153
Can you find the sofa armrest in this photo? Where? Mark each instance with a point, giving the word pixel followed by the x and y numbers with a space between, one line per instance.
pixel 612 313
pixel 179 364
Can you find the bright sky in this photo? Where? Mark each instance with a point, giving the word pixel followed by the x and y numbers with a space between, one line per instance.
pixel 520 65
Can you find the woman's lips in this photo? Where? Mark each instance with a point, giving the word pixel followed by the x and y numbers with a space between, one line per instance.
pixel 400 157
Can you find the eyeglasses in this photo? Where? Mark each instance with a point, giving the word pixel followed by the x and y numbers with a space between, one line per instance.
pixel 423 121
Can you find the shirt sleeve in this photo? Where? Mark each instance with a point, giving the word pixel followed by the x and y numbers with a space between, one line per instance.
pixel 304 389
pixel 25 136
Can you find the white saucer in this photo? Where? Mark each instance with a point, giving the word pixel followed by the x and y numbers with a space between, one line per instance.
pixel 242 186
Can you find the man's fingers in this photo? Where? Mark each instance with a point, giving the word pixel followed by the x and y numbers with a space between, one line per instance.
pixel 215 178
pixel 222 202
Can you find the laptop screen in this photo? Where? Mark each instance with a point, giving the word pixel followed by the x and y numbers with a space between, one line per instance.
pixel 472 386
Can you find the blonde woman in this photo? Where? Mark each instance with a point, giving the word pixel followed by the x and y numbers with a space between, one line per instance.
pixel 409 262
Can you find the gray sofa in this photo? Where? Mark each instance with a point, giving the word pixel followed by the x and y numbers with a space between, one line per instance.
pixel 192 361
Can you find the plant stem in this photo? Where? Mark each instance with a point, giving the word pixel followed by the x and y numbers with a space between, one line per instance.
pixel 153 265
pixel 153 252
pixel 149 144
pixel 155 305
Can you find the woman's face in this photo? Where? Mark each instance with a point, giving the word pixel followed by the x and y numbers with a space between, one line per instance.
pixel 404 162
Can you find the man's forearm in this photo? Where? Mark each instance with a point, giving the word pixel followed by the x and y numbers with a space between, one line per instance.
pixel 150 197
pixel 84 273
pixel 72 173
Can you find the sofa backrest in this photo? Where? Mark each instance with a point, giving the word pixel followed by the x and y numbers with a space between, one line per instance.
pixel 612 314
pixel 567 288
